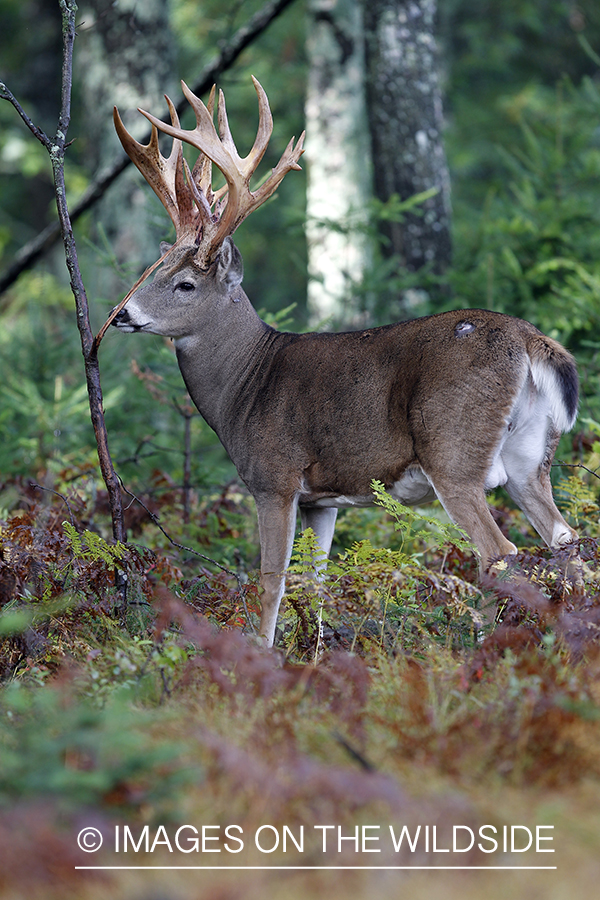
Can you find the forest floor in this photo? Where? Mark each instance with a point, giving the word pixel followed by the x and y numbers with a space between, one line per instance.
pixel 405 747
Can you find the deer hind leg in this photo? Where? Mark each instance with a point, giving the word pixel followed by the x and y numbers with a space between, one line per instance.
pixel 469 510
pixel 467 507
pixel 276 526
pixel 527 460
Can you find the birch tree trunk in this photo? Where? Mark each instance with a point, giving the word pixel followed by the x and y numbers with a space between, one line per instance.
pixel 405 123
pixel 337 158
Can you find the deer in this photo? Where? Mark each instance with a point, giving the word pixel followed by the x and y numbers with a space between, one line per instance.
pixel 448 406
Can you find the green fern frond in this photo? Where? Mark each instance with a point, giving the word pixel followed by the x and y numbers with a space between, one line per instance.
pixel 93 547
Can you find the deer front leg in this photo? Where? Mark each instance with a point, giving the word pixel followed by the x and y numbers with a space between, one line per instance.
pixel 276 526
pixel 322 522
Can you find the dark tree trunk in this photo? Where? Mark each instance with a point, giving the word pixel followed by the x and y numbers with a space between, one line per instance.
pixel 405 121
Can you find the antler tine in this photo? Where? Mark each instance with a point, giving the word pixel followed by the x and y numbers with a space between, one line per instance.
pixel 224 131
pixel 233 202
pixel 221 151
pixel 204 136
pixel 265 125
pixel 248 164
pixel 235 213
pixel 288 161
pixel 185 204
pixel 202 171
pixel 160 172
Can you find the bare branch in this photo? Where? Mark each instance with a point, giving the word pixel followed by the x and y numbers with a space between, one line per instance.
pixel 56 151
pixel 6 94
pixel 156 521
pixel 40 487
pixel 243 37
pixel 566 465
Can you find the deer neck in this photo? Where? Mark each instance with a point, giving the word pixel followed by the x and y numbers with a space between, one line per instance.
pixel 218 358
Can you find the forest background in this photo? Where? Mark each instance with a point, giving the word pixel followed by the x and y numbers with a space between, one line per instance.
pixel 133 714
pixel 520 136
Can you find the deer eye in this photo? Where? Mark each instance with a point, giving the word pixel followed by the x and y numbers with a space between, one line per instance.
pixel 185 286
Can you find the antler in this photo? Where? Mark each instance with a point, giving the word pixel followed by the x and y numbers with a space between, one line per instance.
pixel 193 206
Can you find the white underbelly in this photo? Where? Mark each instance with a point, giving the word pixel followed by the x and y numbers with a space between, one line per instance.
pixel 412 488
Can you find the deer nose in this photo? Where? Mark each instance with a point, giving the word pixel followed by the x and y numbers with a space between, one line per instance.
pixel 121 318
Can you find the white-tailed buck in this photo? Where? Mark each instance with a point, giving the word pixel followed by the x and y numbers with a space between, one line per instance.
pixel 447 406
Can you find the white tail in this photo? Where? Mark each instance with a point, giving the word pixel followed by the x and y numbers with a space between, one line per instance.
pixel 448 406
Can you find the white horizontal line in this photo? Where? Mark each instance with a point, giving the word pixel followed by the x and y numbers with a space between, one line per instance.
pixel 331 868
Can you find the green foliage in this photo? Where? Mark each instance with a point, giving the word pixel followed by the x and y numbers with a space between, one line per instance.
pixel 498 53
pixel 406 521
pixel 386 291
pixel 580 504
pixel 534 249
pixel 138 666
pixel 93 547
pixel 57 746
pixel 540 226
pixel 45 411
pixel 369 594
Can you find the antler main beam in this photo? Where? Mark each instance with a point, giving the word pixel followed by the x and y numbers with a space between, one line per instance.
pixel 191 203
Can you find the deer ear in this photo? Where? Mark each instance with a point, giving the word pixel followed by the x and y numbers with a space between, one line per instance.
pixel 164 246
pixel 230 268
